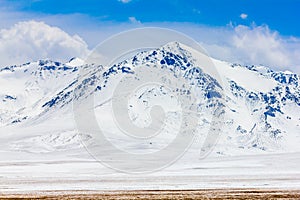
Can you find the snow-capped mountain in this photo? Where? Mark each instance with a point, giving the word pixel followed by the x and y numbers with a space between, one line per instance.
pixel 262 106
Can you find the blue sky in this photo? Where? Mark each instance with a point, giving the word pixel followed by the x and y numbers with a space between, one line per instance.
pixel 244 31
pixel 281 15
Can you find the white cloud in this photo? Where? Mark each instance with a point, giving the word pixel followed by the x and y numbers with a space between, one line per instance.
pixel 239 44
pixel 31 40
pixel 251 45
pixel 243 16
pixel 125 1
pixel 134 20
pixel 260 44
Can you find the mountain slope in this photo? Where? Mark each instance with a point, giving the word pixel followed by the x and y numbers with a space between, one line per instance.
pixel 262 106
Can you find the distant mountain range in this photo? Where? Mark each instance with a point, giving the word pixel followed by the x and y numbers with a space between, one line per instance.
pixel 262 106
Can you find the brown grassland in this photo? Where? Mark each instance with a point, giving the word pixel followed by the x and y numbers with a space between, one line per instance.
pixel 216 194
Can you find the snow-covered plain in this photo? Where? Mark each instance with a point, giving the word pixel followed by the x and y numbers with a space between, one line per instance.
pixel 41 148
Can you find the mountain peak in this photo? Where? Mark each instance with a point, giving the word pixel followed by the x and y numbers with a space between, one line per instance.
pixel 73 62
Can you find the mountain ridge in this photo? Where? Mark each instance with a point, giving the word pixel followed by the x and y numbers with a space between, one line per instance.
pixel 262 105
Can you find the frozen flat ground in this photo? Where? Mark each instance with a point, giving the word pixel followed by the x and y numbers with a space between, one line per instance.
pixel 56 173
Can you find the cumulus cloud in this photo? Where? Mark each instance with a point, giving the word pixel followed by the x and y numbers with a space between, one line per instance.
pixel 254 45
pixel 32 40
pixel 125 1
pixel 243 16
pixel 260 44
pixel 134 20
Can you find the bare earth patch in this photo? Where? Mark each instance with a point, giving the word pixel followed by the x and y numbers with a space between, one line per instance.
pixel 162 194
